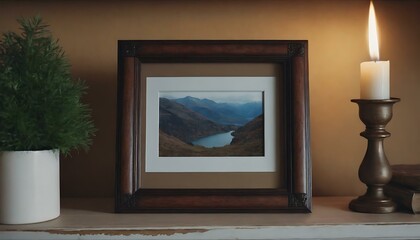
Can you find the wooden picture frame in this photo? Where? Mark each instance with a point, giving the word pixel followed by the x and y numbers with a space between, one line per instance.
pixel 294 194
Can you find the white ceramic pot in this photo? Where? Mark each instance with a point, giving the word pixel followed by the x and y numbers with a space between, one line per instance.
pixel 29 186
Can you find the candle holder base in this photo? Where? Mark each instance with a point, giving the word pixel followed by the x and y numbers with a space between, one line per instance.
pixel 374 170
pixel 372 205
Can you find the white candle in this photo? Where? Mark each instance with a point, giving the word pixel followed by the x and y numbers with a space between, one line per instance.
pixel 374 74
pixel 374 80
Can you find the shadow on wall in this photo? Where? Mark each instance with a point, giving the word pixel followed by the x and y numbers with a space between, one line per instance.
pixel 91 173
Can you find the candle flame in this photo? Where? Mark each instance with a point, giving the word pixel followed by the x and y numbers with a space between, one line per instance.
pixel 373 34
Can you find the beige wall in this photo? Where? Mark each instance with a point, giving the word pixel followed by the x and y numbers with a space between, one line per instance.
pixel 336 31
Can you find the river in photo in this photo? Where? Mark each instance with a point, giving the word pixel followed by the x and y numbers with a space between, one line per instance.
pixel 216 140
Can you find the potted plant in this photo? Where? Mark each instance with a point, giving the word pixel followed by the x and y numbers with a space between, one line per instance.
pixel 41 116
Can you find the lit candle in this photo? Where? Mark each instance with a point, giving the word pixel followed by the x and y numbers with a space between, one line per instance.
pixel 374 74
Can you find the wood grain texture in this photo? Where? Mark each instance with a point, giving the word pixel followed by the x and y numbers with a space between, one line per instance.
pixel 126 126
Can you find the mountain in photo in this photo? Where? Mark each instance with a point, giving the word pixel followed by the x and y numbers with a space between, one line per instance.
pixel 248 141
pixel 251 137
pixel 185 124
pixel 223 113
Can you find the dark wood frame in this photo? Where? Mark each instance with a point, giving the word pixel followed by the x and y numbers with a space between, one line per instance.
pixel 296 196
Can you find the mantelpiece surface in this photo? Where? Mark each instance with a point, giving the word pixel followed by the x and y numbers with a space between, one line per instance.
pixel 94 219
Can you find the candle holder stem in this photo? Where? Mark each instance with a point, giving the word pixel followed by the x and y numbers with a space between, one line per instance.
pixel 374 170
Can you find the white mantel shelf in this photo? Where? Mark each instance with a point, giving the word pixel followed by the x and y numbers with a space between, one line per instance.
pixel 94 219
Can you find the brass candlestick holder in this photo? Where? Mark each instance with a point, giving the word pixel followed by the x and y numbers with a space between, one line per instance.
pixel 374 171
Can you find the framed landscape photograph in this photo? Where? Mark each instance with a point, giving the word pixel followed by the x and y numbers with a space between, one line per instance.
pixel 213 123
pixel 213 126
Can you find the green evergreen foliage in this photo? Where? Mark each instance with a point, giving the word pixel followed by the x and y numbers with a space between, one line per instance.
pixel 40 103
